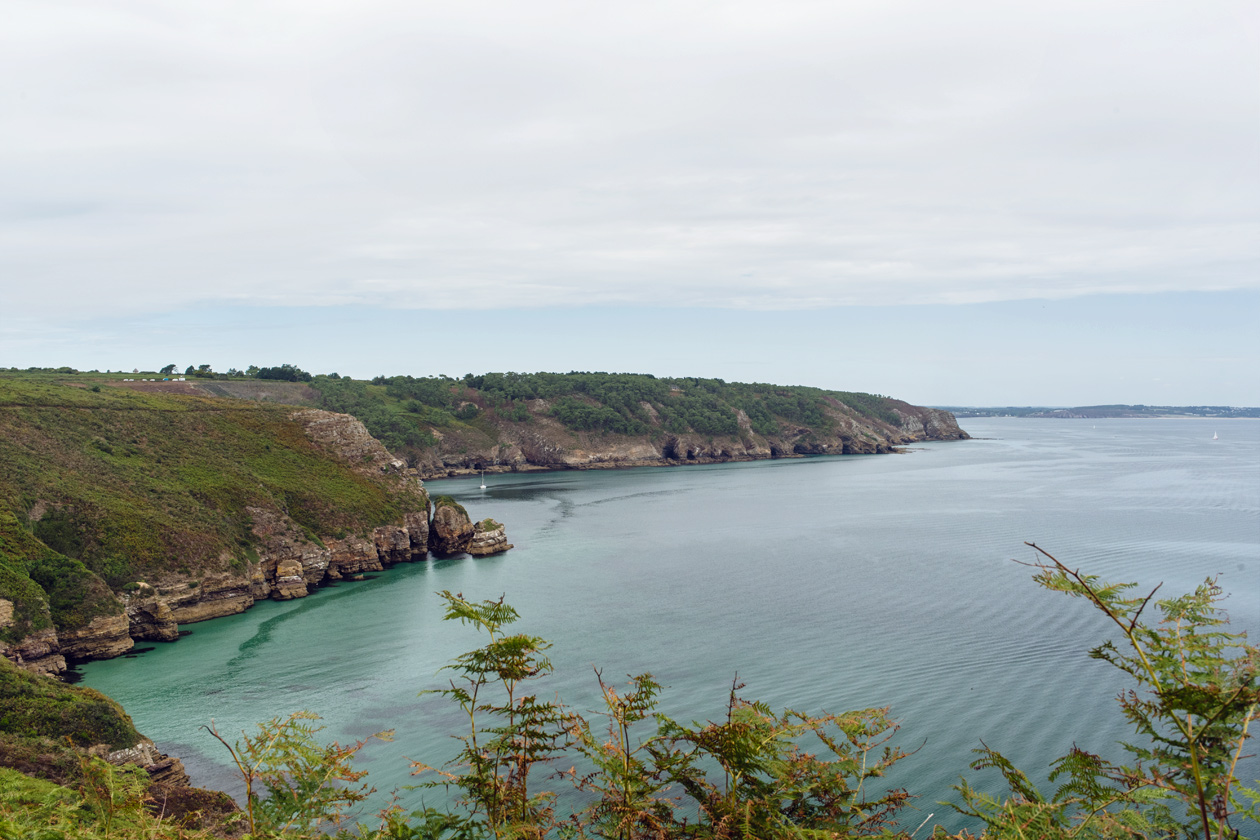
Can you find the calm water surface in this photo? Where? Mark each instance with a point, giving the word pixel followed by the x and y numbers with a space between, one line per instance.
pixel 824 583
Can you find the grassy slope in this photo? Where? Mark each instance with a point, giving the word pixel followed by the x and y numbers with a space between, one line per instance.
pixel 33 706
pixel 117 486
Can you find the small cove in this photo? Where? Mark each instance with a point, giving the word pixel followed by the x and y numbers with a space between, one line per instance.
pixel 825 583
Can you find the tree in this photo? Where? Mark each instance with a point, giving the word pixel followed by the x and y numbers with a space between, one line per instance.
pixel 168 370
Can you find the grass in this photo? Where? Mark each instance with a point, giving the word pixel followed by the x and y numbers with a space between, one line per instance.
pixel 33 706
pixel 101 489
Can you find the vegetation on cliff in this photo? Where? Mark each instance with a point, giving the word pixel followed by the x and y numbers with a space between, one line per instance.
pixel 34 706
pixel 441 425
pixel 101 488
pixel 475 421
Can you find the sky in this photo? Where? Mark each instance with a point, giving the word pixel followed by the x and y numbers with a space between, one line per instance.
pixel 965 203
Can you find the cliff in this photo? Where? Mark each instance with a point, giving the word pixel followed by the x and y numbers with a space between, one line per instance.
pixel 514 421
pixel 125 514
pixel 517 421
pixel 48 730
pixel 545 442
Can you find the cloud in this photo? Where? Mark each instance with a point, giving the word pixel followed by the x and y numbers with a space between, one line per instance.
pixel 732 155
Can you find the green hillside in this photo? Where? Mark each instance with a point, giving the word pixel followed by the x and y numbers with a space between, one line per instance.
pixel 103 487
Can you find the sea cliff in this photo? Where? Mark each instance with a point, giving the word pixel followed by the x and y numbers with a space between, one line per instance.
pixel 125 515
pixel 518 422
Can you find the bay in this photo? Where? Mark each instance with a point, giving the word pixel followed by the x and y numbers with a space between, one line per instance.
pixel 827 583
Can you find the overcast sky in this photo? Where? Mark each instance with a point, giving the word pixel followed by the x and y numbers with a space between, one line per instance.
pixel 953 203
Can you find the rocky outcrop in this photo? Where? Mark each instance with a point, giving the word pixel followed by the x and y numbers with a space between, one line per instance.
pixel 489 537
pixel 347 439
pixel 417 525
pixel 151 618
pixel 161 768
pixel 104 637
pixel 393 544
pixel 170 793
pixel 214 596
pixel 353 556
pixel 929 423
pixel 39 652
pixel 452 530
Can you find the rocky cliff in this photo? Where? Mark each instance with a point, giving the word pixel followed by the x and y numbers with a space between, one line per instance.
pixel 544 443
pixel 275 503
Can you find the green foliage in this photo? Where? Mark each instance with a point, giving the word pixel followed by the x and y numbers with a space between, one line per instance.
pixel 30 602
pixel 283 373
pixel 772 785
pixel 1197 693
pixel 510 731
pixel 447 501
pixel 292 782
pixel 124 482
pixel 104 803
pixel 72 592
pixel 391 422
pixel 36 706
pixel 581 415
pixel 431 391
pixel 114 795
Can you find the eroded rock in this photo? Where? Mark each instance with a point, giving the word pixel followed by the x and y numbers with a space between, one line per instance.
pixel 38 652
pixel 489 537
pixel 151 619
pixel 104 637
pixel 451 530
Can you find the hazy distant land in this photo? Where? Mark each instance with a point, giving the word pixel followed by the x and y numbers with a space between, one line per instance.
pixel 1103 411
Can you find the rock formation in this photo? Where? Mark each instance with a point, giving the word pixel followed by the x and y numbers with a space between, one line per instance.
pixel 39 652
pixel 452 530
pixel 489 537
pixel 104 637
pixel 151 618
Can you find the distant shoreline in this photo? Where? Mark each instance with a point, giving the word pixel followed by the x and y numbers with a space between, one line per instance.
pixel 1108 412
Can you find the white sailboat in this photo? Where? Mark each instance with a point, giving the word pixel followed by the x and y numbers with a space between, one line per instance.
pixel 1214 437
pixel 483 480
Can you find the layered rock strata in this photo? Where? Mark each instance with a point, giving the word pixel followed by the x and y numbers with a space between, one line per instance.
pixel 489 537
pixel 39 652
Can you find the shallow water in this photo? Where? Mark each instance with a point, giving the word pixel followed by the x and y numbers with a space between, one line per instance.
pixel 825 583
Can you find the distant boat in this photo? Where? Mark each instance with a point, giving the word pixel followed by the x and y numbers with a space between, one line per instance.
pixel 1214 437
pixel 483 481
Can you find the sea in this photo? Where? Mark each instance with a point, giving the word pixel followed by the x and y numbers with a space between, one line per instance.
pixel 820 584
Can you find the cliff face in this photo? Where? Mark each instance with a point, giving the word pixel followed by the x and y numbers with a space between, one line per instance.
pixel 452 528
pixel 545 444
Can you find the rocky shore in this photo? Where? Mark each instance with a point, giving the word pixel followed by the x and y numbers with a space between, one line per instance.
pixel 545 444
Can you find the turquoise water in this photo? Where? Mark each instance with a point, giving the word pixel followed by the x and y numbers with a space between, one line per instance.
pixel 824 583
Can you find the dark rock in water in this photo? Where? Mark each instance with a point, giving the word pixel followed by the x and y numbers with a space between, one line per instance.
pixel 452 530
